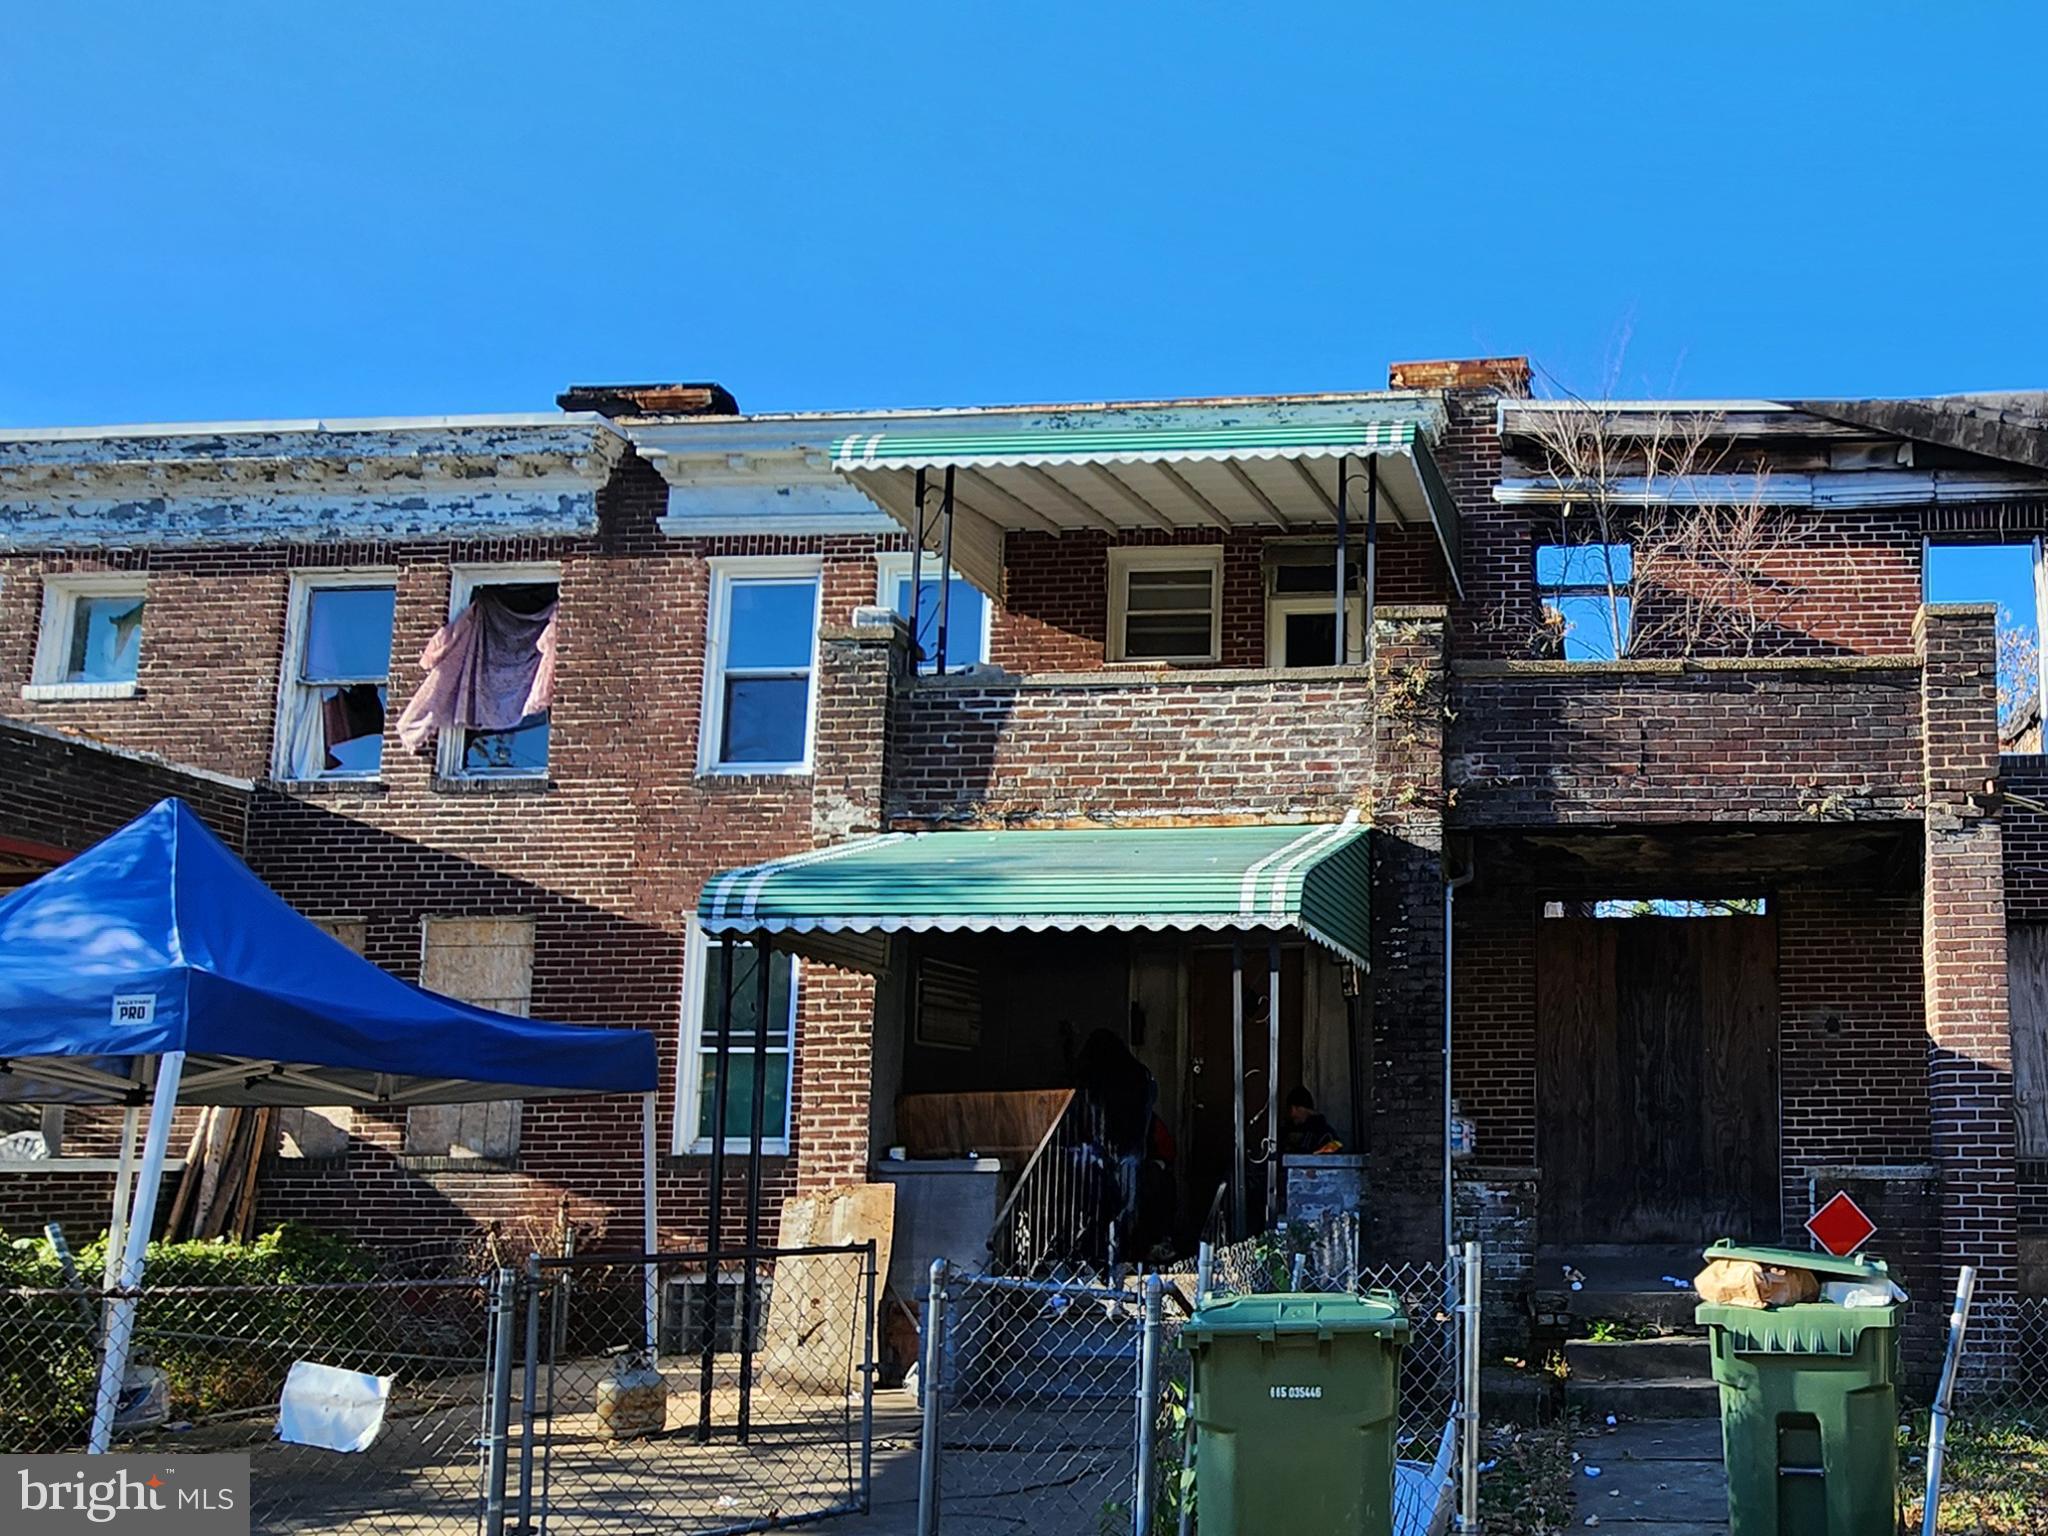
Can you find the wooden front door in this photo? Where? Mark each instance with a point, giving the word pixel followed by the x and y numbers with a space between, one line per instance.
pixel 1657 1079
pixel 1211 1148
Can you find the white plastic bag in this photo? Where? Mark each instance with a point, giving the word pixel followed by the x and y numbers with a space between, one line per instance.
pixel 332 1409
pixel 1861 1293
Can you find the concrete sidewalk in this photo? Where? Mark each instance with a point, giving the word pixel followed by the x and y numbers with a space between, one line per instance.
pixel 1657 1477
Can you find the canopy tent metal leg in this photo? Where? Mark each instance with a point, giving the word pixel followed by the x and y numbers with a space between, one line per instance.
pixel 124 1188
pixel 650 1232
pixel 121 1312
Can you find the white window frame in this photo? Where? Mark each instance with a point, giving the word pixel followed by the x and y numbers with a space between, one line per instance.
pixel 53 638
pixel 1279 608
pixel 890 569
pixel 1163 557
pixel 291 693
pixel 463 581
pixel 685 1142
pixel 728 571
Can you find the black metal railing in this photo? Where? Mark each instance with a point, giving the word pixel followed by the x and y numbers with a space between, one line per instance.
pixel 1061 1212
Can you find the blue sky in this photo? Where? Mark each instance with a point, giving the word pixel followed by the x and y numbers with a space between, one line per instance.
pixel 280 210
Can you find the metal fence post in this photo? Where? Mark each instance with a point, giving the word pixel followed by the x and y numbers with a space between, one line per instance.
pixel 1944 1395
pixel 1146 1473
pixel 1205 1271
pixel 869 1287
pixel 498 1426
pixel 529 1390
pixel 928 1388
pixel 1468 1395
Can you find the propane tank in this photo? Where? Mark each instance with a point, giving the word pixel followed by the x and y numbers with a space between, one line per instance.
pixel 632 1399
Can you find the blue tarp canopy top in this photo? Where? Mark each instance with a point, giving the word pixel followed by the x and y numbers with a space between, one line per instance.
pixel 159 939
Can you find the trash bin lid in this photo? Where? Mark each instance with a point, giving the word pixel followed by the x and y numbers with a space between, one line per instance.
pixel 1808 1328
pixel 1856 1267
pixel 1323 1314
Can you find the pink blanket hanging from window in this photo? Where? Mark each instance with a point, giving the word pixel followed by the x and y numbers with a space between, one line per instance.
pixel 488 668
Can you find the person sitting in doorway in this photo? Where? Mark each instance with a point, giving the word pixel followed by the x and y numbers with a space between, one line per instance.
pixel 1305 1132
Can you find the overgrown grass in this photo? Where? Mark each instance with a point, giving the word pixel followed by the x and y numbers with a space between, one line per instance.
pixel 1994 1476
pixel 1528 1489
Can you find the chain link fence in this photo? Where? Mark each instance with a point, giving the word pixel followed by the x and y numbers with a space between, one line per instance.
pixel 753 1412
pixel 208 1370
pixel 1995 1460
pixel 1073 1393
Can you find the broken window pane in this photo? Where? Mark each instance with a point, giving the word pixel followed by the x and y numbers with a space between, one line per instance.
pixel 1584 593
pixel 2001 574
pixel 106 640
pixel 520 749
pixel 332 725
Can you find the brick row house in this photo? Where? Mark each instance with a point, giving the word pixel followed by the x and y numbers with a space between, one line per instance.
pixel 1592 788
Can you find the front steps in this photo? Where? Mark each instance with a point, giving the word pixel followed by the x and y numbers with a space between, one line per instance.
pixel 1655 1365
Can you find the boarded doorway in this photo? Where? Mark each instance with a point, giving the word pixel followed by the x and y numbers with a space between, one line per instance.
pixel 1657 1078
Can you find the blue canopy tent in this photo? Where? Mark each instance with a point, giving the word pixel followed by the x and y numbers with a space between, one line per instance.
pixel 155 967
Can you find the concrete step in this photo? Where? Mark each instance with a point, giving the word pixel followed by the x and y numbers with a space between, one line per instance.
pixel 1657 1397
pixel 1669 1311
pixel 1665 1356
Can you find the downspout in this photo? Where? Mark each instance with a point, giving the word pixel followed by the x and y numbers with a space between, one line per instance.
pixel 1451 884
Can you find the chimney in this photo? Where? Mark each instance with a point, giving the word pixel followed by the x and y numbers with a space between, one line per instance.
pixel 649 399
pixel 1502 375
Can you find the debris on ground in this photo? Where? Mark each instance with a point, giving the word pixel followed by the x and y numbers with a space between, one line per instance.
pixel 1527 1489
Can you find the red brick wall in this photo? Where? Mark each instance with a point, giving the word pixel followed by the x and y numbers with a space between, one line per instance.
pixel 1055 612
pixel 1150 744
pixel 607 857
pixel 1970 1047
pixel 1556 742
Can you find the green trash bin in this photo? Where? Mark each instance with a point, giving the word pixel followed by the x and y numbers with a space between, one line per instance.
pixel 1293 1400
pixel 1809 1405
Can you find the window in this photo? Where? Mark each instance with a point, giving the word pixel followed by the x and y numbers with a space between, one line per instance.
pixel 524 597
pixel 330 722
pixel 91 640
pixel 1163 604
pixel 1301 630
pixel 1584 590
pixel 967 618
pixel 762 656
pixel 703 995
pixel 322 1132
pixel 1659 906
pixel 487 961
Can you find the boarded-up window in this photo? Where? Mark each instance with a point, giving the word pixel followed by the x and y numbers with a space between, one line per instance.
pixel 487 961
pixel 322 1132
pixel 2026 960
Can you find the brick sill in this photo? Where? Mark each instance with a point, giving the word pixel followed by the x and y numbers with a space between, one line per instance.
pixel 320 789
pixel 524 785
pixel 1682 667
pixel 1129 676
pixel 696 1162
pixel 413 1163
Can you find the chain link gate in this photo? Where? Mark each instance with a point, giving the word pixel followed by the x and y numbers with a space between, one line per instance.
pixel 754 1412
pixel 1073 1393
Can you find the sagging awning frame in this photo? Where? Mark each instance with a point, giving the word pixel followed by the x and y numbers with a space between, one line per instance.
pixel 1051 481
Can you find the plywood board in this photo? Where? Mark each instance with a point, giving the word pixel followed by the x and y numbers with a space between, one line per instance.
pixel 1005 1125
pixel 814 1330
pixel 2026 958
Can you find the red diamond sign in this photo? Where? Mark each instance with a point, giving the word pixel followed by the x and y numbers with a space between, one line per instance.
pixel 1840 1226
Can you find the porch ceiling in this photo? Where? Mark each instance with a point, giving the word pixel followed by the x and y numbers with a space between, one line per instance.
pixel 841 903
pixel 1281 478
pixel 1704 861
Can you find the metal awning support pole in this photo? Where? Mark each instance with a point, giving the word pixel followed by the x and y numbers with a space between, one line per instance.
pixel 1343 550
pixel 1238 1208
pixel 916 574
pixel 750 1289
pixel 1372 552
pixel 945 569
pixel 121 1312
pixel 124 1191
pixel 1275 1195
pixel 650 1231
pixel 721 1078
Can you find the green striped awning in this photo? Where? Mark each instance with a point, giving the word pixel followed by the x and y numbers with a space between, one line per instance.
pixel 900 450
pixel 836 902
pixel 1254 474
